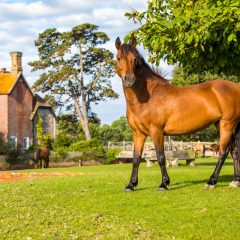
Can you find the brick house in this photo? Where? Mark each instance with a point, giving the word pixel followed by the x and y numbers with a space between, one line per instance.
pixel 19 107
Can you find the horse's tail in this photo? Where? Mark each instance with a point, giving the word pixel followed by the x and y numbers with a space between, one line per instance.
pixel 237 140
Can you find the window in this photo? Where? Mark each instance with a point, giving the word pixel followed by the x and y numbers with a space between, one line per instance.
pixel 13 142
pixel 25 143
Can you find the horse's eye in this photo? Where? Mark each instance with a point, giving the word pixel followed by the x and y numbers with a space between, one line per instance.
pixel 118 58
pixel 135 61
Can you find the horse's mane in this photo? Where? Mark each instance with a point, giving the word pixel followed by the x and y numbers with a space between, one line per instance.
pixel 126 48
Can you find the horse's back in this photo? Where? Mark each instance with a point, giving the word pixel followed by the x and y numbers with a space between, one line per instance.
pixel 45 151
pixel 42 152
pixel 228 96
pixel 195 107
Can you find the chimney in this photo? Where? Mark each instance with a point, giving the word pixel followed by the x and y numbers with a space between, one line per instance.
pixel 16 62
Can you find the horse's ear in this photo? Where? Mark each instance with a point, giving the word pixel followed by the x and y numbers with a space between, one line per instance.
pixel 133 42
pixel 118 43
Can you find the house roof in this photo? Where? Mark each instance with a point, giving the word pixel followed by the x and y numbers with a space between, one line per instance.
pixel 39 102
pixel 7 82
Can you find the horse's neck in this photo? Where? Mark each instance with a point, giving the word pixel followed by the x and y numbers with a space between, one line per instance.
pixel 141 91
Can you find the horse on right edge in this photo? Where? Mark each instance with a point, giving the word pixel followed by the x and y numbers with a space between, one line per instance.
pixel 157 108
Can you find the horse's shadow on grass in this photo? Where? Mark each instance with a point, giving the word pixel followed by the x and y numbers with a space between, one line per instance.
pixel 178 185
pixel 212 164
pixel 222 179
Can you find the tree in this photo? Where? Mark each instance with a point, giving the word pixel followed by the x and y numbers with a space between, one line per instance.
pixel 210 134
pixel 182 78
pixel 201 35
pixel 117 132
pixel 122 125
pixel 75 69
pixel 106 133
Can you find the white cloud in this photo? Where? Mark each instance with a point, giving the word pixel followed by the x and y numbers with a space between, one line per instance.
pixel 74 5
pixel 25 10
pixel 23 20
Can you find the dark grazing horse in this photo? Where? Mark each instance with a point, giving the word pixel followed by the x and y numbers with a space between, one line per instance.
pixel 156 108
pixel 42 153
pixel 215 148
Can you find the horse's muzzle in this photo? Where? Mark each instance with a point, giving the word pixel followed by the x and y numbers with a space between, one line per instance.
pixel 128 80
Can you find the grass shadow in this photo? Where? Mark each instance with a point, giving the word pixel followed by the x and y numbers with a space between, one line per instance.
pixel 213 164
pixel 222 179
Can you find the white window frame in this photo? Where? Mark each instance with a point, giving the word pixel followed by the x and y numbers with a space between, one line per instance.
pixel 13 142
pixel 27 143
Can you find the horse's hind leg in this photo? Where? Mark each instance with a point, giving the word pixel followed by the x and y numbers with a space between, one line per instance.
pixel 36 163
pixel 45 163
pixel 235 152
pixel 139 140
pixel 225 136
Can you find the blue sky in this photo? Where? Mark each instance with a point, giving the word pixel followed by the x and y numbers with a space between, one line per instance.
pixel 22 21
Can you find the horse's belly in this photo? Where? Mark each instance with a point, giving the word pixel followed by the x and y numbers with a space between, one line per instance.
pixel 186 126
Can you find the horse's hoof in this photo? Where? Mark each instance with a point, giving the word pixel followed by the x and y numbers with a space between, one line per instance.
pixel 162 189
pixel 234 184
pixel 128 190
pixel 209 186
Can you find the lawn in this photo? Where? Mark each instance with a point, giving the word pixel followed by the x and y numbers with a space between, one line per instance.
pixel 91 204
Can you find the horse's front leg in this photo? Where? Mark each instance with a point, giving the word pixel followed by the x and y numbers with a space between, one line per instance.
pixel 40 163
pixel 138 139
pixel 47 162
pixel 158 140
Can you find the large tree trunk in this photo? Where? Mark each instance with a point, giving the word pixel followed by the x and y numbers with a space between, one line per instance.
pixel 83 116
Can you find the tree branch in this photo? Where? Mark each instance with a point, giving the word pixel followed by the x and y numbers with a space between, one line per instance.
pixel 81 64
pixel 94 82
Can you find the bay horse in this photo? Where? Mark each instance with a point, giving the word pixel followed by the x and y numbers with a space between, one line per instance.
pixel 215 148
pixel 156 108
pixel 42 153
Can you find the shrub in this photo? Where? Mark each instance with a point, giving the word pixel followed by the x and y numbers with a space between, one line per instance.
pixel 62 141
pixel 62 152
pixel 90 149
pixel 14 157
pixel 111 154
pixel 3 146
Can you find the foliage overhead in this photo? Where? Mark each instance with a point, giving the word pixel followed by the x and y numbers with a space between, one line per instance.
pixel 182 78
pixel 201 35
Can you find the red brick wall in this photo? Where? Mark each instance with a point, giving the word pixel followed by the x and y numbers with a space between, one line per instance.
pixel 4 115
pixel 20 108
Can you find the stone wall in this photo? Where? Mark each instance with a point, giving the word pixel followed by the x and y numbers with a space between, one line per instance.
pixel 49 122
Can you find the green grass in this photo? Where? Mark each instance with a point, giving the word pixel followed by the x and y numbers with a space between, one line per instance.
pixel 94 206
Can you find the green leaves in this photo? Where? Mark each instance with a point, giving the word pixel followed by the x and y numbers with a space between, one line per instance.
pixel 201 35
pixel 75 69
pixel 73 55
